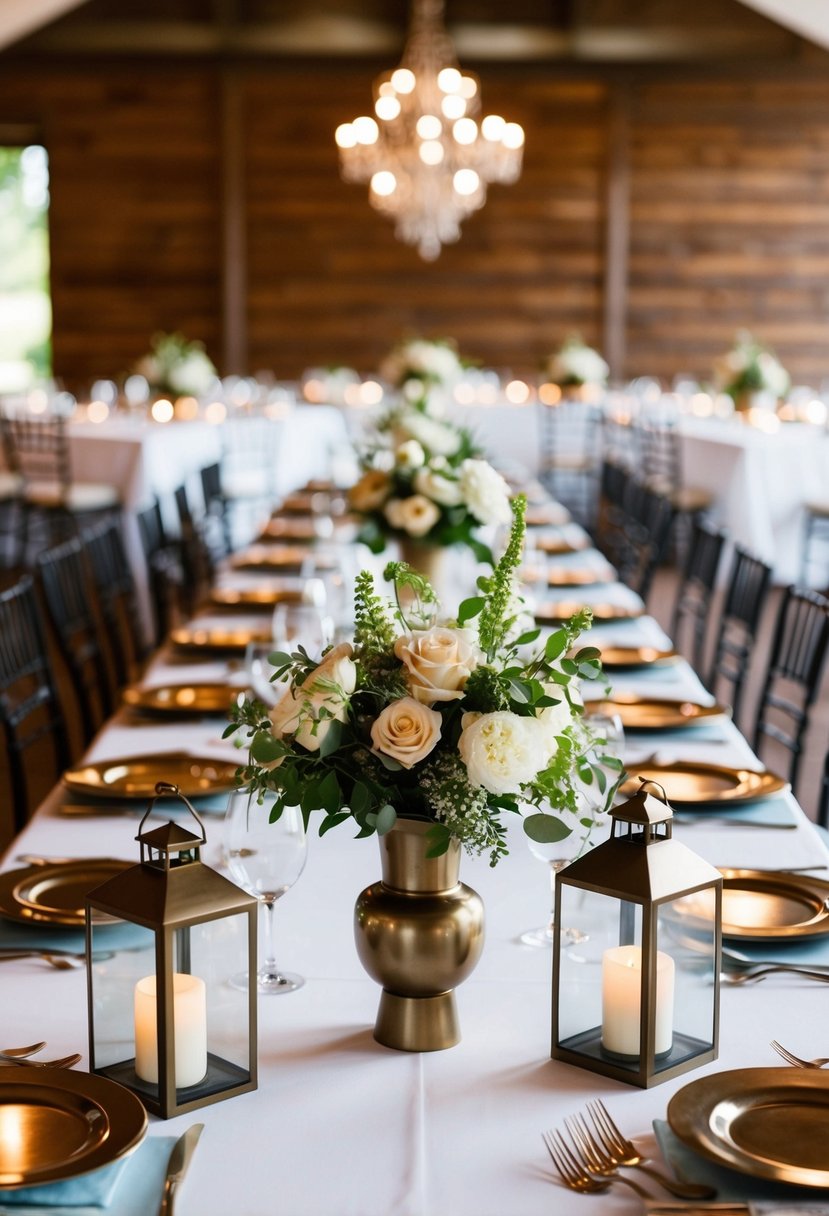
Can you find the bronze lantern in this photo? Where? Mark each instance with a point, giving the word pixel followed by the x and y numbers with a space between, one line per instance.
pixel 638 998
pixel 164 1019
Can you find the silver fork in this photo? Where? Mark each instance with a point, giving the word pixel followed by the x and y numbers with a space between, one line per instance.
pixel 63 1062
pixel 757 974
pixel 795 1061
pixel 574 1174
pixel 623 1152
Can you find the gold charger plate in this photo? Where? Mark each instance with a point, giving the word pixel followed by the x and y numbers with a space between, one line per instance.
pixel 264 596
pixel 617 657
pixel 191 637
pixel 182 698
pixel 561 544
pixel 769 1123
pixel 271 557
pixel 53 893
pixel 655 713
pixel 59 1124
pixel 137 776
pixel 762 905
pixel 547 514
pixel 703 786
pixel 562 610
pixel 579 576
pixel 294 529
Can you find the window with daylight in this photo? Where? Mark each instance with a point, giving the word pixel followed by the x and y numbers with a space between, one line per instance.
pixel 25 306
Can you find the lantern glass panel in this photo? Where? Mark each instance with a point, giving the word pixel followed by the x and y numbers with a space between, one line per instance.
pixel 692 949
pixel 122 954
pixel 218 951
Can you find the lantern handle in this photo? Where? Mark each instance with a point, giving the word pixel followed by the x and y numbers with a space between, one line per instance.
pixel 166 789
pixel 643 781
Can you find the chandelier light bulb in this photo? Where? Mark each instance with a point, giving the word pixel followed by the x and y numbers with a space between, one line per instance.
pixel 468 87
pixel 387 108
pixel 466 182
pixel 429 126
pixel 431 152
pixel 465 131
pixel 492 127
pixel 403 80
pixel 513 136
pixel 384 183
pixel 449 80
pixel 344 135
pixel 366 130
pixel 453 106
pixel 386 89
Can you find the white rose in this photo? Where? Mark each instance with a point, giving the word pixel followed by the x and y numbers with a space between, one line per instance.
pixel 438 663
pixel 410 455
pixel 502 751
pixel 415 515
pixel 444 490
pixel 192 374
pixel 436 437
pixel 485 492
pixel 406 731
pixel 328 686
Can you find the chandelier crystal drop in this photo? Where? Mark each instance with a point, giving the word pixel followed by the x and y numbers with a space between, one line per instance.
pixel 426 157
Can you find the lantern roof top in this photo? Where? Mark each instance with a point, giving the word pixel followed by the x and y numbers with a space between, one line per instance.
pixel 644 807
pixel 623 868
pixel 170 838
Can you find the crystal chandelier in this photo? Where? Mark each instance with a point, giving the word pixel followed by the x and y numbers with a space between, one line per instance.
pixel 426 158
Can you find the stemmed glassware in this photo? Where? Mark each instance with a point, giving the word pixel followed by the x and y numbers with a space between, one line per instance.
pixel 303 625
pixel 265 859
pixel 607 745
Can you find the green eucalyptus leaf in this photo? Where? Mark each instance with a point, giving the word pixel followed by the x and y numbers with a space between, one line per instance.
pixel 386 819
pixel 332 739
pixel 470 608
pixel 332 821
pixel 264 748
pixel 546 829
pixel 278 658
pixel 555 645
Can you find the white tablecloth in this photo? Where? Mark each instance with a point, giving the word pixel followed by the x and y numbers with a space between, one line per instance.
pixel 341 1126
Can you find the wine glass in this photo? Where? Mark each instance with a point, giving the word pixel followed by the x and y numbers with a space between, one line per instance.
pixel 265 859
pixel 300 624
pixel 259 672
pixel 604 742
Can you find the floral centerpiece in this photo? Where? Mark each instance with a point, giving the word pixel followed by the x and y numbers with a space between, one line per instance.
pixel 424 481
pixel 176 366
pixel 575 364
pixel 750 368
pixel 453 722
pixel 419 365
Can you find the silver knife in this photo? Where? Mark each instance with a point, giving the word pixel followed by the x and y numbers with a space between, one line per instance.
pixel 183 1150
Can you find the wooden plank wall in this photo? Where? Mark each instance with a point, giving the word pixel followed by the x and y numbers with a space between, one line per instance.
pixel 728 226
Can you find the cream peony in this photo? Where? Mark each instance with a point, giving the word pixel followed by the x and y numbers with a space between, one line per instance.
pixel 555 719
pixel 438 663
pixel 485 492
pixel 371 491
pixel 415 515
pixel 440 489
pixel 503 751
pixel 328 687
pixel 406 731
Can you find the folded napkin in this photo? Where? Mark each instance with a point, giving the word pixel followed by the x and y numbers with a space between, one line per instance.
pixel 131 1186
pixel 730 1184
pixel 767 812
pixel 47 937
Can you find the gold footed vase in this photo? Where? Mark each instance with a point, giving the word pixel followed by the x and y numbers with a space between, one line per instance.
pixel 432 561
pixel 419 933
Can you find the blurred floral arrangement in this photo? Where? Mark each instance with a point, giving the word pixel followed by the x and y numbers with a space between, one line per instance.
pixel 750 368
pixel 418 365
pixel 575 363
pixel 424 480
pixel 450 722
pixel 177 366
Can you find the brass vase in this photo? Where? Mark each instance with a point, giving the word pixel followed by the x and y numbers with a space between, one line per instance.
pixel 419 933
pixel 426 558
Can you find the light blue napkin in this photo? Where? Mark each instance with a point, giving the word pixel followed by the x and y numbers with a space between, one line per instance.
pixel 131 1186
pixel 730 1184
pixel 767 811
pixel 169 808
pixel 45 937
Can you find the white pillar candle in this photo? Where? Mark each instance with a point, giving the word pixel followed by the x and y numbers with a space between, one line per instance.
pixel 621 1000
pixel 190 1029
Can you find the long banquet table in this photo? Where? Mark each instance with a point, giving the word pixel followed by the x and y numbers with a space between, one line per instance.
pixel 341 1126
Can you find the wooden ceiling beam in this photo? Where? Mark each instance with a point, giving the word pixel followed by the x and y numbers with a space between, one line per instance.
pixel 323 35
